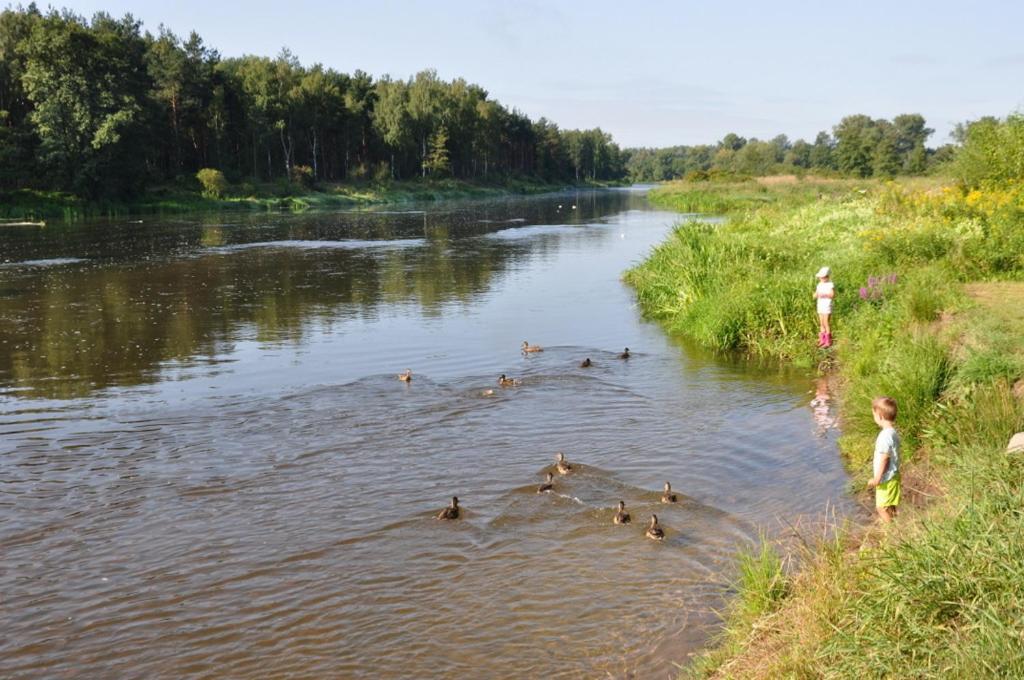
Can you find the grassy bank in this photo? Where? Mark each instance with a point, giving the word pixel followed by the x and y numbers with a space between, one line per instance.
pixel 927 312
pixel 37 205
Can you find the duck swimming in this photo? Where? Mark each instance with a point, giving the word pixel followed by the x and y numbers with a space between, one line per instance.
pixel 654 531
pixel 528 348
pixel 621 517
pixel 507 382
pixel 452 511
pixel 562 465
pixel 548 485
pixel 586 363
pixel 625 354
pixel 668 496
pixel 406 376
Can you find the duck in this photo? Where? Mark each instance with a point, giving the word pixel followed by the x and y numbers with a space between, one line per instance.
pixel 406 376
pixel 625 354
pixel 562 465
pixel 621 517
pixel 452 511
pixel 654 531
pixel 507 382
pixel 528 348
pixel 586 363
pixel 668 496
pixel 548 485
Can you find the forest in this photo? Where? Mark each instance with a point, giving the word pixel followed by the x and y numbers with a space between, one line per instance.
pixel 100 108
pixel 858 146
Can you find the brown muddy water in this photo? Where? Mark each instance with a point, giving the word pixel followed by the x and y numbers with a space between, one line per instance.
pixel 209 469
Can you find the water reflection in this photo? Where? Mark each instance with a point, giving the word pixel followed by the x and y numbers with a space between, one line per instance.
pixel 84 307
pixel 821 406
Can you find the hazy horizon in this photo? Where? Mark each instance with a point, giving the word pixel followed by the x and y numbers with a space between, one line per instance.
pixel 655 75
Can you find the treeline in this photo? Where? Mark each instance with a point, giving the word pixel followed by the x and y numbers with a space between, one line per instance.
pixel 101 108
pixel 859 146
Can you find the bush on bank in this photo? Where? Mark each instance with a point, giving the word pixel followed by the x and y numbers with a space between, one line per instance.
pixel 942 594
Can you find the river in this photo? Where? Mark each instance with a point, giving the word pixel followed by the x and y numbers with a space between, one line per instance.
pixel 208 467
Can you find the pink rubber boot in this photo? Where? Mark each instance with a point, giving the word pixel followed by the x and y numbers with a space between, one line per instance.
pixel 828 340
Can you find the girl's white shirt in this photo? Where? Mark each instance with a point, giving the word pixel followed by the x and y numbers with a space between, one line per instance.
pixel 825 303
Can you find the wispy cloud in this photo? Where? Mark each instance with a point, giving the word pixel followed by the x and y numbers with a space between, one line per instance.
pixel 1005 61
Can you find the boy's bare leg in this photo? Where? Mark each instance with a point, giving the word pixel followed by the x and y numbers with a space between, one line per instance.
pixel 887 513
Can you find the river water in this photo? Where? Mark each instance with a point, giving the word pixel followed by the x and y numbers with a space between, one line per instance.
pixel 209 469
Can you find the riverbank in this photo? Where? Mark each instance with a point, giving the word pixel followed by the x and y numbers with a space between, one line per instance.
pixel 27 205
pixel 926 312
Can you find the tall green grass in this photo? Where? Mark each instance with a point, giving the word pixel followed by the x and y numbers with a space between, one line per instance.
pixel 946 600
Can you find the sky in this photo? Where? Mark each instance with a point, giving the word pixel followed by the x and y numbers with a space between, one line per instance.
pixel 652 73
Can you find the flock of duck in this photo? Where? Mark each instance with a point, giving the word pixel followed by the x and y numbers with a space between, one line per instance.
pixel 562 466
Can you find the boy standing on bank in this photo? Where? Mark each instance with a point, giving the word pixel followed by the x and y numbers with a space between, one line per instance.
pixel 886 464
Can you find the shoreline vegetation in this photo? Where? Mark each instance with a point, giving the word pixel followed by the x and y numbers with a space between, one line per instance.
pixel 36 206
pixel 929 310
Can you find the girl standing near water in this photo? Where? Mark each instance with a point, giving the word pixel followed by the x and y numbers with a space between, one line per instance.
pixel 824 294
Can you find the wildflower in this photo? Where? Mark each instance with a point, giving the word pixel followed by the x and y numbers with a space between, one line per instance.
pixel 863 293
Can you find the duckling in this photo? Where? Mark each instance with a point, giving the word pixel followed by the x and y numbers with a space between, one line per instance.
pixel 452 511
pixel 625 354
pixel 528 348
pixel 654 531
pixel 507 382
pixel 406 376
pixel 562 465
pixel 668 496
pixel 548 485
pixel 621 517
pixel 586 363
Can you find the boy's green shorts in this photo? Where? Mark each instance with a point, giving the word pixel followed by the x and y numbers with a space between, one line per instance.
pixel 888 493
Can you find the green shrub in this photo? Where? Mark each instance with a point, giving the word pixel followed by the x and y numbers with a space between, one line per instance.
pixel 213 182
pixel 302 175
pixel 993 150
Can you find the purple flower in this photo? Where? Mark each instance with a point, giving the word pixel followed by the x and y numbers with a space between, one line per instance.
pixel 872 281
pixel 863 293
pixel 892 279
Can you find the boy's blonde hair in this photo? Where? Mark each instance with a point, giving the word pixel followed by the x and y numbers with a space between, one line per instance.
pixel 884 407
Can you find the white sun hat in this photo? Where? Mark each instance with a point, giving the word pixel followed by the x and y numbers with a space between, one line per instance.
pixel 823 272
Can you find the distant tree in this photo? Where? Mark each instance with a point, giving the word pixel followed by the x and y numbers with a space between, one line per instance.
pixel 732 142
pixel 856 138
pixel 437 162
pixel 391 118
pixel 911 134
pixel 822 152
pixel 424 108
pixel 886 160
pixel 781 145
pixel 799 155
pixel 87 87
